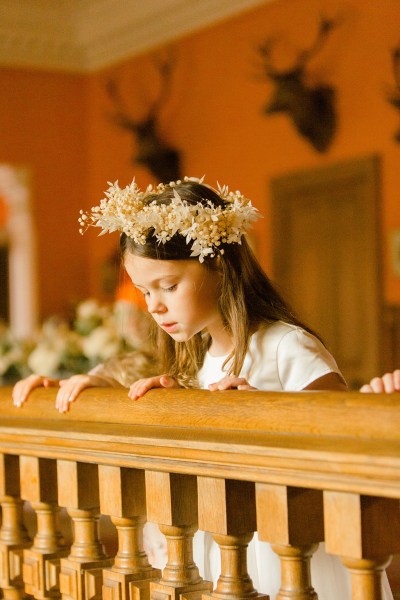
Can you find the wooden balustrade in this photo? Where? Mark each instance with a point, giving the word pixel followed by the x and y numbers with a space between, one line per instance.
pixel 298 469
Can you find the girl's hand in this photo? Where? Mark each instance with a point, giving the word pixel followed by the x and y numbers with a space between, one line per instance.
pixel 231 382
pixel 390 382
pixel 23 388
pixel 71 388
pixel 141 386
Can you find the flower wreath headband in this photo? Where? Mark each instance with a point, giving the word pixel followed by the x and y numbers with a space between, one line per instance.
pixel 206 227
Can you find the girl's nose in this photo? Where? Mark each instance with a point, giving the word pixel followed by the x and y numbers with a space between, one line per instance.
pixel 154 306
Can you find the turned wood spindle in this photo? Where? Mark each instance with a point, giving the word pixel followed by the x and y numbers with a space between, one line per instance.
pixel 123 497
pixel 81 574
pixel 364 531
pixel 13 534
pixel 366 577
pixel 41 566
pixel 227 509
pixel 177 516
pixel 291 519
pixel 295 572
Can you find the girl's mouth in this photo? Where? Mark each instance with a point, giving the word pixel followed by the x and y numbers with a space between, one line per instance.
pixel 169 327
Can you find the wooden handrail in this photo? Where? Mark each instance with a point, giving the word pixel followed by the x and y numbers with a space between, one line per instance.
pixel 336 440
pixel 294 412
pixel 299 468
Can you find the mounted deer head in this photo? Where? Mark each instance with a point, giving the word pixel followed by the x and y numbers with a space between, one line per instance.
pixel 394 95
pixel 310 108
pixel 160 158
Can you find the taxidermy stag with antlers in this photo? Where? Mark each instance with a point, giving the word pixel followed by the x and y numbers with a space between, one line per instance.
pixel 310 108
pixel 160 158
pixel 394 96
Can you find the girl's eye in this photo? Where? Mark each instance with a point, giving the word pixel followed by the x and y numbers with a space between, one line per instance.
pixel 171 288
pixel 142 291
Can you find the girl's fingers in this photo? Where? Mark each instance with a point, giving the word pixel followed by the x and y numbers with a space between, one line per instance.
pixel 71 388
pixel 388 383
pixel 391 381
pixel 377 385
pixel 68 394
pixel 23 388
pixel 366 388
pixel 396 378
pixel 229 383
pixel 140 387
pixel 64 397
pixel 135 389
pixel 168 382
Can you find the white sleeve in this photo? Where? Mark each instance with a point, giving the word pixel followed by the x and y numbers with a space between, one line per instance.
pixel 301 359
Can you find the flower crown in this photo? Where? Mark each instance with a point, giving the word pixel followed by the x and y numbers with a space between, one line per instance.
pixel 205 226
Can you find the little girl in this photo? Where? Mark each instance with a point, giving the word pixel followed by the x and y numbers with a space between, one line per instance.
pixel 220 324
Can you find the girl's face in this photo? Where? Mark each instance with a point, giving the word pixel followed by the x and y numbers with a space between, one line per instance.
pixel 181 295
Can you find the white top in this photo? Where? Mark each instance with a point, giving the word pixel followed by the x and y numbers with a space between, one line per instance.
pixel 280 357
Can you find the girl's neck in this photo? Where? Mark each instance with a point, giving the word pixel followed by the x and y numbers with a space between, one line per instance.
pixel 221 341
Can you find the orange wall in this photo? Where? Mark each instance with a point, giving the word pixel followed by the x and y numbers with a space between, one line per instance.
pixel 214 114
pixel 60 125
pixel 42 125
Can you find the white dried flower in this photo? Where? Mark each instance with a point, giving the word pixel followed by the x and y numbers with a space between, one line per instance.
pixel 101 344
pixel 205 227
pixel 88 308
pixel 45 359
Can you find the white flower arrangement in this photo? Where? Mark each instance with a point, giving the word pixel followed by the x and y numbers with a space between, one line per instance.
pixel 206 227
pixel 57 350
pixel 61 349
pixel 13 355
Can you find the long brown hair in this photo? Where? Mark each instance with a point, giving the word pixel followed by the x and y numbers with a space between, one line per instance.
pixel 247 302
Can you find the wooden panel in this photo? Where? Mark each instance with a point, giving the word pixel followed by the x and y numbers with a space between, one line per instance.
pixel 179 494
pixel 9 475
pixel 79 484
pixel 327 258
pixel 361 526
pixel 38 479
pixel 289 515
pixel 122 491
pixel 228 516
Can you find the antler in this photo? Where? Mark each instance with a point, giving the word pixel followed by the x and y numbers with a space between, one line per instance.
pixel 265 51
pixel 165 68
pixel 120 116
pixel 310 108
pixel 161 159
pixel 394 95
pixel 395 98
pixel 396 65
pixel 325 28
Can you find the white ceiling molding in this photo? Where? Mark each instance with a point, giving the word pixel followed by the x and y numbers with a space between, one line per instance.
pixel 84 36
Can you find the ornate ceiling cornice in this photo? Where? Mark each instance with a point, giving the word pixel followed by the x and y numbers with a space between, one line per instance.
pixel 84 36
